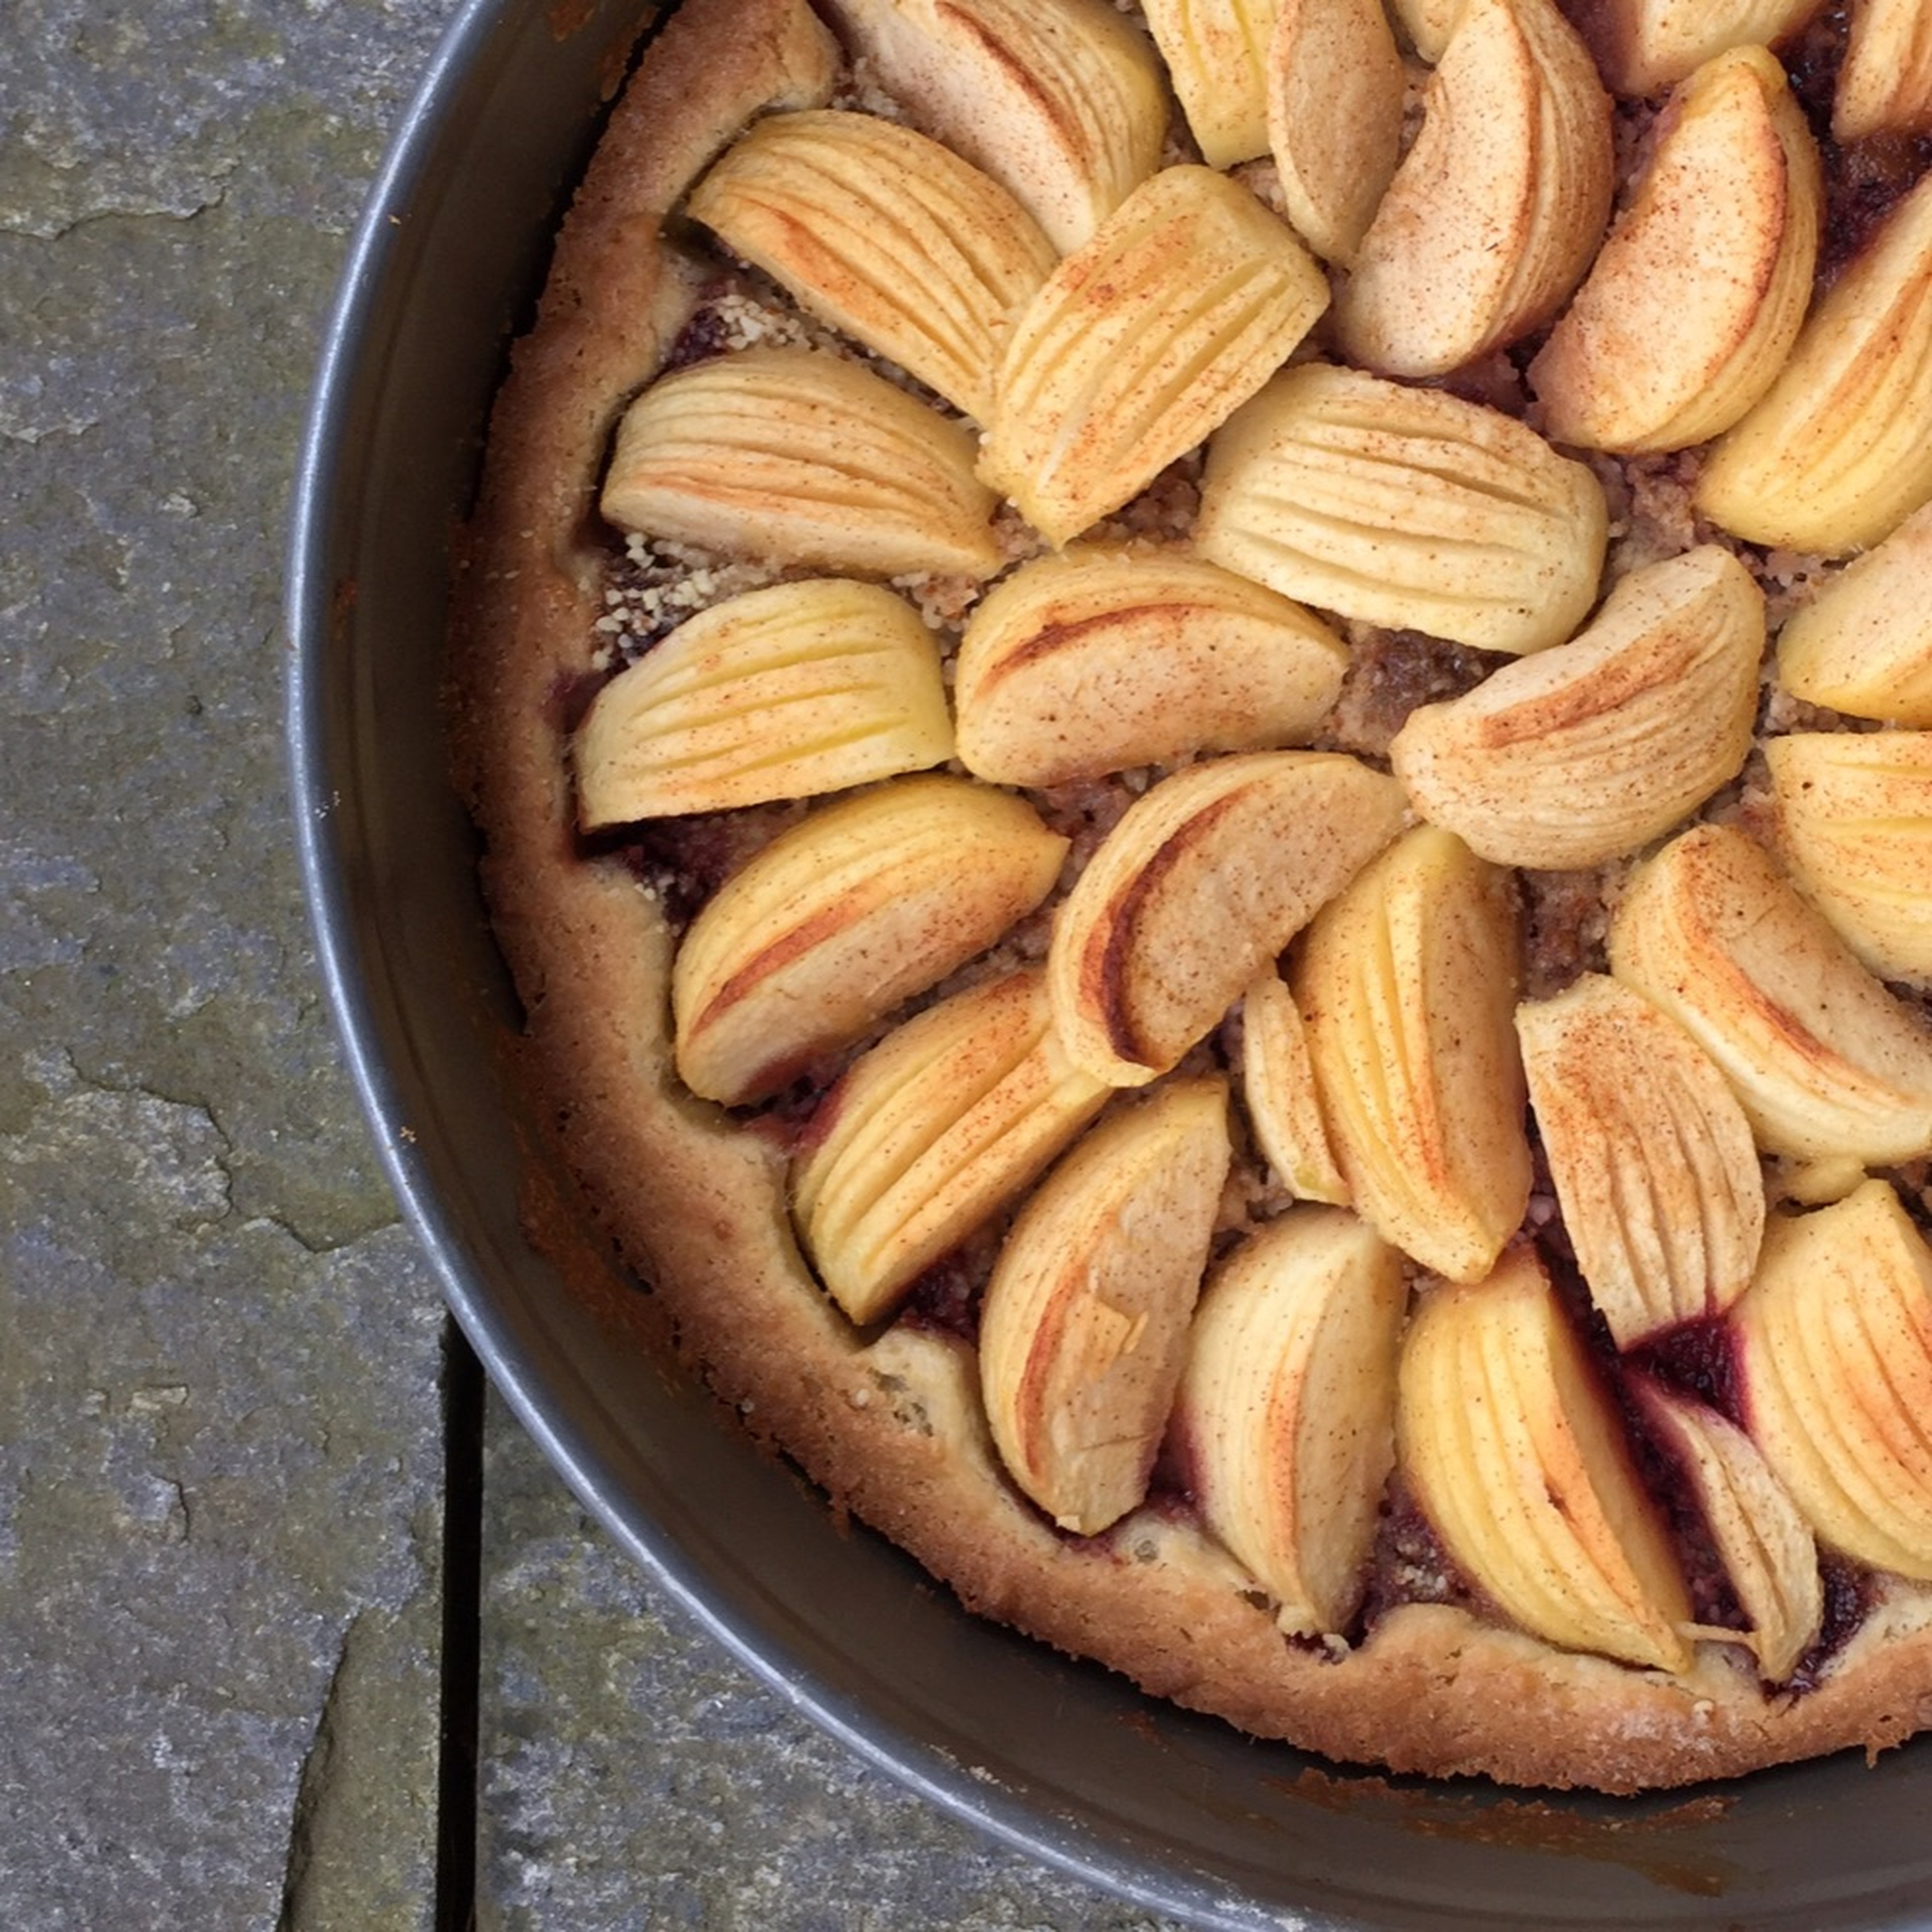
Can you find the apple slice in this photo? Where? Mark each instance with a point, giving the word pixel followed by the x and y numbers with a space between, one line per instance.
pixel 1864 643
pixel 1518 1458
pixel 1407 983
pixel 1098 660
pixel 1855 825
pixel 1496 210
pixel 1839 451
pixel 1278 1087
pixel 1591 749
pixel 844 917
pixel 1286 1416
pixel 1408 507
pixel 1645 46
pixel 929 1134
pixel 800 689
pixel 803 458
pixel 1065 104
pixel 1215 54
pixel 1696 297
pixel 1766 1546
pixel 1187 297
pixel 1835 1342
pixel 1827 1063
pixel 888 236
pixel 1335 83
pixel 1884 85
pixel 1650 1153
pixel 1205 878
pixel 1083 1329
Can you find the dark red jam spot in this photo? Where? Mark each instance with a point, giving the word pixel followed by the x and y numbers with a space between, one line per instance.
pixel 1864 180
pixel 707 335
pixel 1850 1591
pixel 1664 1474
pixel 1811 61
pixel 1698 1358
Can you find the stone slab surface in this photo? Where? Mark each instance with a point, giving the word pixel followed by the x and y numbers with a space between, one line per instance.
pixel 220 1445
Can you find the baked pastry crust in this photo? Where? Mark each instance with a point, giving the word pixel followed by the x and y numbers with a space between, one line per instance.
pixel 891 1427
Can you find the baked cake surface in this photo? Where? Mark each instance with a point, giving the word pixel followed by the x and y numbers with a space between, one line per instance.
pixel 1448 867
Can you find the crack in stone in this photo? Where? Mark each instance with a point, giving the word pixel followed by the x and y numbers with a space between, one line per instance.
pixel 61 1075
pixel 314 1786
pixel 320 1246
pixel 13 229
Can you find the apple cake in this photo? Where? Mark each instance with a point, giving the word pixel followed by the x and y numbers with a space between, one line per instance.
pixel 1203 734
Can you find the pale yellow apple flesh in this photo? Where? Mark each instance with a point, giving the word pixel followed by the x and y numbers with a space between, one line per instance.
pixel 1827 1063
pixel 800 456
pixel 886 235
pixel 1835 1342
pixel 1408 983
pixel 1650 1153
pixel 1589 750
pixel 1517 1456
pixel 1065 105
pixel 836 922
pixel 1104 659
pixel 1083 1331
pixel 929 1134
pixel 787 692
pixel 1205 880
pixel 1286 1409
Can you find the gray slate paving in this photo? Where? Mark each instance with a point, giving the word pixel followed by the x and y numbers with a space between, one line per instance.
pixel 221 1458
pixel 221 1359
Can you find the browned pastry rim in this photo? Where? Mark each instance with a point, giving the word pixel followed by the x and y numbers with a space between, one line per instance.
pixel 697 1206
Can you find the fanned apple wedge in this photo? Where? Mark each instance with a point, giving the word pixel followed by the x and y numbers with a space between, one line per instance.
pixel 1065 104
pixel 1864 643
pixel 1284 1422
pixel 1645 46
pixel 1205 880
pixel 1215 53
pixel 801 457
pixel 885 235
pixel 1826 1062
pixel 1099 660
pixel 1839 451
pixel 839 919
pixel 1518 1457
pixel 1835 1347
pixel 1278 1089
pixel 1334 88
pixel 1855 825
pixel 1496 210
pixel 1695 301
pixel 800 689
pixel 1650 1155
pixel 1407 983
pixel 1083 1329
pixel 1885 85
pixel 1767 1548
pixel 1185 300
pixel 1594 747
pixel 934 1130
pixel 1409 508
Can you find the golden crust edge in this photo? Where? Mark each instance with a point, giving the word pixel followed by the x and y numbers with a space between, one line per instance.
pixel 698 1209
